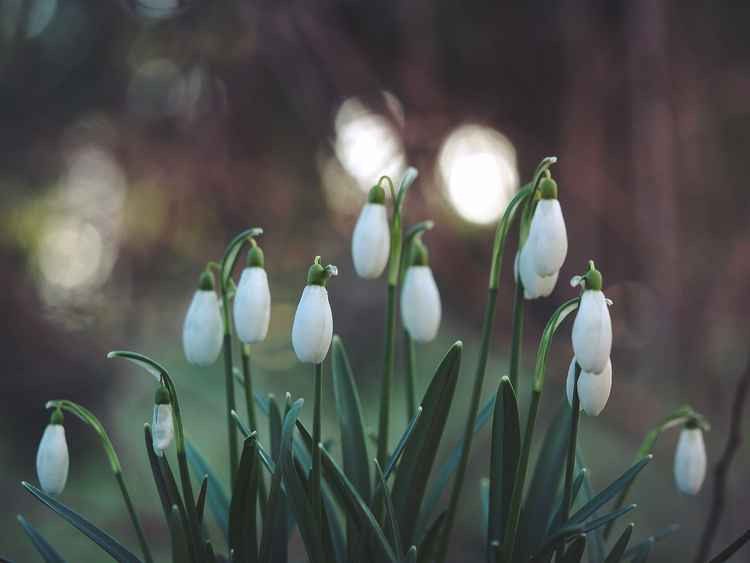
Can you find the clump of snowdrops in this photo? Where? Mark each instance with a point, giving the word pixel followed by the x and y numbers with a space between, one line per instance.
pixel 390 508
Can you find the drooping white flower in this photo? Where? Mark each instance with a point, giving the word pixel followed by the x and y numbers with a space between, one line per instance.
pixel 420 298
pixel 371 240
pixel 312 329
pixel 162 427
pixel 252 301
pixel 534 285
pixel 52 459
pixel 592 328
pixel 593 388
pixel 548 238
pixel 690 460
pixel 203 331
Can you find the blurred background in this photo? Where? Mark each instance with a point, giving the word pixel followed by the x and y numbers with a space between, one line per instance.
pixel 136 138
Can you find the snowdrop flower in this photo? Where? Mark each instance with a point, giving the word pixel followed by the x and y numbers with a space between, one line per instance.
pixel 52 459
pixel 252 301
pixel 690 460
pixel 203 330
pixel 162 428
pixel 371 240
pixel 534 285
pixel 548 239
pixel 312 329
pixel 593 388
pixel 420 298
pixel 592 328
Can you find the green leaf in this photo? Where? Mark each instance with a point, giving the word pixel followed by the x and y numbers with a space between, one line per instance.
pixel 47 552
pixel 395 537
pixel 151 366
pixel 299 499
pixel 349 411
pixel 101 538
pixel 233 250
pixel 427 544
pixel 282 526
pixel 484 499
pixel 419 455
pixel 596 538
pixel 575 550
pixel 396 455
pixel 641 554
pixel 648 543
pixel 449 467
pixel 504 452
pixel 200 504
pixel 275 495
pixel 243 531
pixel 732 548
pixel 217 498
pixel 618 550
pixel 548 471
pixel 180 543
pixel 411 555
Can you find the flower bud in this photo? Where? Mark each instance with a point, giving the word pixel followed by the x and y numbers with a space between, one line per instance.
pixel 203 331
pixel 420 298
pixel 371 240
pixel 312 329
pixel 592 328
pixel 162 427
pixel 548 238
pixel 690 460
pixel 593 388
pixel 534 285
pixel 252 301
pixel 52 459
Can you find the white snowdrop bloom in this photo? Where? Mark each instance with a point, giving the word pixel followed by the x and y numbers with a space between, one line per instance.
pixel 548 238
pixel 52 459
pixel 252 301
pixel 592 328
pixel 162 427
pixel 203 331
pixel 690 461
pixel 420 298
pixel 312 329
pixel 593 388
pixel 371 240
pixel 534 285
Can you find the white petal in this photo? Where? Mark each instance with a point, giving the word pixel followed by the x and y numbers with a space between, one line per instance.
pixel 312 329
pixel 162 428
pixel 371 241
pixel 203 331
pixel 548 238
pixel 593 388
pixel 534 286
pixel 52 460
pixel 252 305
pixel 690 461
pixel 592 332
pixel 420 303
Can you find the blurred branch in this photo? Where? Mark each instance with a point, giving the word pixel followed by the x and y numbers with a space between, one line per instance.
pixel 722 467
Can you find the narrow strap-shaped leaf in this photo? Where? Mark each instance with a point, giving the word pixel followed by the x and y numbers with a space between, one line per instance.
pixel 47 552
pixel 556 521
pixel 642 553
pixel 653 539
pixel 243 531
pixel 419 455
pixel 217 498
pixel 732 548
pixel 275 494
pixel 426 547
pixel 338 541
pixel 595 541
pixel 299 501
pixel 395 536
pixel 396 455
pixel 484 501
pixel 349 412
pixel 618 550
pixel 173 490
pixel 161 486
pixel 411 555
pixel 449 467
pixel 281 528
pixel 610 492
pixel 575 550
pixel 200 503
pixel 180 550
pixel 504 452
pixel 101 538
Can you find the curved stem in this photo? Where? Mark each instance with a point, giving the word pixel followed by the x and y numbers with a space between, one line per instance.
pixel 385 396
pixel 410 359
pixel 250 406
pixel 517 338
pixel 92 422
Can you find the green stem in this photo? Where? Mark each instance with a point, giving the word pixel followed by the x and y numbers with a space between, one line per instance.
pixel 317 506
pixel 517 338
pixel 92 422
pixel 570 467
pixel 489 317
pixel 410 359
pixel 385 396
pixel 229 384
pixel 250 405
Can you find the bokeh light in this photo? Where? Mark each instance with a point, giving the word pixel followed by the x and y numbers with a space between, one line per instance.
pixel 478 171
